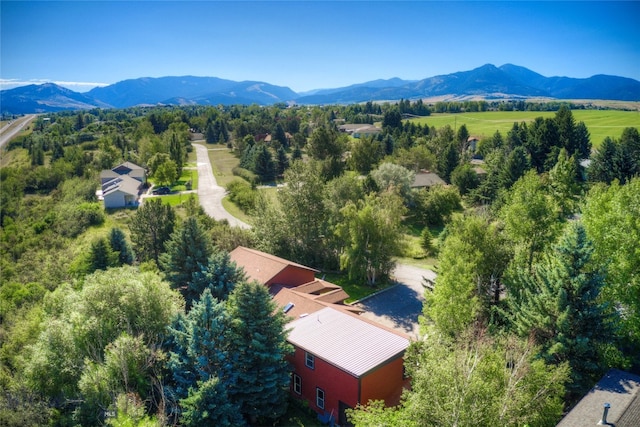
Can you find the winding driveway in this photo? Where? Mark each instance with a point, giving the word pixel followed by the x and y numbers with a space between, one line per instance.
pixel 210 193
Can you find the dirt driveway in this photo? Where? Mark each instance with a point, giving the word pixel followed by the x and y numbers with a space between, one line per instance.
pixel 400 306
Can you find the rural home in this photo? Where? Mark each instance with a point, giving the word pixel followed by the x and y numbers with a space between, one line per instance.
pixel 126 168
pixel 121 186
pixel 358 130
pixel 613 401
pixel 271 270
pixel 341 360
pixel 425 179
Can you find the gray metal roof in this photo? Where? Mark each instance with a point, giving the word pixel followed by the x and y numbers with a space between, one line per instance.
pixel 346 341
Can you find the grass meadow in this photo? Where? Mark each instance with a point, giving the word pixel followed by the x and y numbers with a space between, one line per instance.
pixel 601 123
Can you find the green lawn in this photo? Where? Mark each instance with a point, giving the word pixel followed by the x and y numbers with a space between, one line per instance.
pixel 356 290
pixel 222 161
pixel 176 199
pixel 601 123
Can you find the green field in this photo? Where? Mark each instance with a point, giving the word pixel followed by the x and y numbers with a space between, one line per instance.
pixel 601 123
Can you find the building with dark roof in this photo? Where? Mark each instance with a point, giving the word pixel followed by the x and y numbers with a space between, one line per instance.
pixel 613 401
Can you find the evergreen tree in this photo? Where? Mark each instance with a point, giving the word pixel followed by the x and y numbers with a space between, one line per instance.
pixel 211 135
pixel 177 152
pixel 297 153
pixel 151 227
pixel 101 256
pixel 219 275
pixel 57 151
pixel 208 405
pixel 279 135
pixel 263 163
pixel 198 353
pixel 282 161
pixel 257 343
pixel 514 167
pixel 604 167
pixel 120 245
pixel 448 162
pixel 559 307
pixel 186 251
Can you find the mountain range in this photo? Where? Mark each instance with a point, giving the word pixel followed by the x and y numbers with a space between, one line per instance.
pixel 487 81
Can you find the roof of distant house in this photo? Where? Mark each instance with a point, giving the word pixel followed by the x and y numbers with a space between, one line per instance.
pixel 261 266
pixel 126 168
pixel 359 128
pixel 426 179
pixel 621 390
pixel 346 341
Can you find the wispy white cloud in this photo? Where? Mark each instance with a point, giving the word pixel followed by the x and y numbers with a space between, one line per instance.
pixel 75 86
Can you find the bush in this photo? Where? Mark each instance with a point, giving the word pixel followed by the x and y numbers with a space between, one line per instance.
pixel 242 194
pixel 435 206
pixel 247 175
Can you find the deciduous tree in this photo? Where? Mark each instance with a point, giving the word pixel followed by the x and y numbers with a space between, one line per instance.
pixel 370 234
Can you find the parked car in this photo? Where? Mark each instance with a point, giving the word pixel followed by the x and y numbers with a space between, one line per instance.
pixel 161 191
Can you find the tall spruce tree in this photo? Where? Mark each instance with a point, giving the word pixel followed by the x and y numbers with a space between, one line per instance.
pixel 186 251
pixel 559 306
pixel 199 362
pixel 257 346
pixel 220 275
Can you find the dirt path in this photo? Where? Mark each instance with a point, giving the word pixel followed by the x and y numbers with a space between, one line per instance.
pixel 209 192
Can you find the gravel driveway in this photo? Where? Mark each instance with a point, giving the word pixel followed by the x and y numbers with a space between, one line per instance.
pixel 399 307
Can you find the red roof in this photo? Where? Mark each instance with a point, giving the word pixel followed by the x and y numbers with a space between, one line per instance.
pixel 261 266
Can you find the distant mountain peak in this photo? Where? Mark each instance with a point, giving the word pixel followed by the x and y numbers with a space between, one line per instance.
pixel 487 81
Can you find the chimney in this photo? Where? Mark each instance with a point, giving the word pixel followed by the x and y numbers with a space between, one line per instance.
pixel 603 421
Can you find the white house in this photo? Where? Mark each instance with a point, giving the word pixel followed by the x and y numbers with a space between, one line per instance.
pixel 121 186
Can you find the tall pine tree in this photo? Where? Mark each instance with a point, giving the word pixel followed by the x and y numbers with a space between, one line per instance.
pixel 188 248
pixel 560 308
pixel 257 344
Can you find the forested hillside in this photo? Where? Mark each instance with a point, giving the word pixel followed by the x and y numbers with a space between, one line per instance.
pixel 138 317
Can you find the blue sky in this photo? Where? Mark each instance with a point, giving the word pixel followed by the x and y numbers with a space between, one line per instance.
pixel 310 44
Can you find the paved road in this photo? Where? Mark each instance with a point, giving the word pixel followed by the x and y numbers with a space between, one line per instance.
pixel 400 306
pixel 10 130
pixel 209 192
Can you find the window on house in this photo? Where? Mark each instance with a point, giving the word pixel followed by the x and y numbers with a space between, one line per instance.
pixel 309 360
pixel 297 384
pixel 320 398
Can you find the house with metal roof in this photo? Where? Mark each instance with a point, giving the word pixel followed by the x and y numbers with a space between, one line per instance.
pixel 341 360
pixel 613 401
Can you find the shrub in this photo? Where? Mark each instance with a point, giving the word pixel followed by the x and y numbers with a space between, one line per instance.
pixel 247 175
pixel 242 194
pixel 435 206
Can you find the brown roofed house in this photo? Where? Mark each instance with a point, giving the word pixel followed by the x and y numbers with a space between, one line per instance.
pixel 271 270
